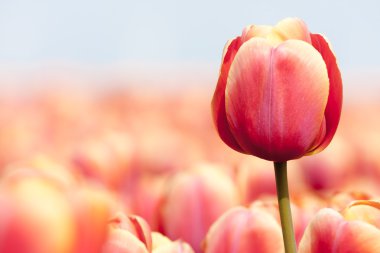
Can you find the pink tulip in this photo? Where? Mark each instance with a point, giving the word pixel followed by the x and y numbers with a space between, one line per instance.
pixel 193 201
pixel 279 93
pixel 356 229
pixel 300 217
pixel 242 230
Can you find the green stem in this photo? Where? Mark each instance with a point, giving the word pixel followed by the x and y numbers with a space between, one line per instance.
pixel 280 169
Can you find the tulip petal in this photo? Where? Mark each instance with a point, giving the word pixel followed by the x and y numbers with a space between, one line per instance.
pixel 334 103
pixel 218 100
pixel 319 235
pixel 276 97
pixel 256 31
pixel 292 28
pixel 357 236
pixel 328 232
pixel 244 230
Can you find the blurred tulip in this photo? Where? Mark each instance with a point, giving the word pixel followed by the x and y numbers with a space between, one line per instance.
pixel 40 214
pixel 128 235
pixel 106 159
pixel 162 244
pixel 330 169
pixel 92 209
pixel 35 218
pixel 193 201
pixel 270 206
pixel 279 93
pixel 340 201
pixel 255 179
pixel 145 198
pixel 356 229
pixel 242 230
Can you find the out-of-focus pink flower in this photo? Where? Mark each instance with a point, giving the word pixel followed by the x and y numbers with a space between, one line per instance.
pixel 145 198
pixel 128 235
pixel 355 229
pixel 35 217
pixel 106 159
pixel 255 179
pixel 162 244
pixel 193 201
pixel 244 230
pixel 41 214
pixel 330 169
pixel 279 93
pixel 300 217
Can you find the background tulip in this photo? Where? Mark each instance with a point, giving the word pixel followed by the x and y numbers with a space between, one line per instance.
pixel 242 230
pixel 355 229
pixel 193 201
pixel 279 93
pixel 128 235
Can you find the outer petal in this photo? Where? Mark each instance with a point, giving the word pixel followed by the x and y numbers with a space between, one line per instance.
pixel 122 241
pixel 334 103
pixel 276 97
pixel 330 233
pixel 218 100
pixel 320 235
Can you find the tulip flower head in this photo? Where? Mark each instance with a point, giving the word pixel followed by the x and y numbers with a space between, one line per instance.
pixel 279 93
pixel 355 229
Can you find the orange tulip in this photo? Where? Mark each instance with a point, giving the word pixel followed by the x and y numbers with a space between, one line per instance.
pixel 356 229
pixel 41 214
pixel 279 93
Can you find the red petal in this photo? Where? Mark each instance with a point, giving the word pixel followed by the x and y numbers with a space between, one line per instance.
pixel 276 98
pixel 334 104
pixel 218 101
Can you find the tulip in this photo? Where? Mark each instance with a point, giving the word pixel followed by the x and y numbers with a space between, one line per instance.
pixel 41 214
pixel 128 234
pixel 35 217
pixel 279 93
pixel 355 229
pixel 278 97
pixel 193 201
pixel 301 216
pixel 162 244
pixel 106 159
pixel 241 230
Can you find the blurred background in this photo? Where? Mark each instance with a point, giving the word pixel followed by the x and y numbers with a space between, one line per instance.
pixel 108 103
pixel 169 43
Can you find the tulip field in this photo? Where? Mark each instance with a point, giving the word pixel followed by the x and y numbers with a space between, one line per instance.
pixel 134 170
pixel 267 156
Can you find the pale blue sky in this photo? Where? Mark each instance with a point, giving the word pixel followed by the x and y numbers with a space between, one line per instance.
pixel 94 31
